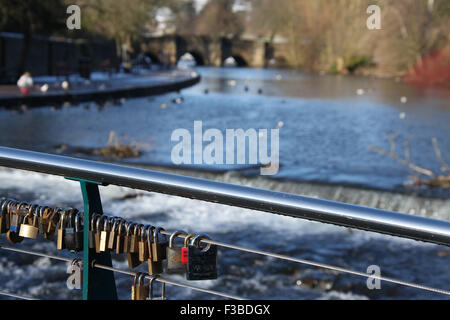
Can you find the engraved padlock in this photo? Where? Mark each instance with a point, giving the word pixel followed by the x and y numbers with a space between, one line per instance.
pixel 174 253
pixel 202 262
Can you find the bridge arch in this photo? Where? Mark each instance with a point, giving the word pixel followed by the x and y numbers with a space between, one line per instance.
pixel 192 55
pixel 239 61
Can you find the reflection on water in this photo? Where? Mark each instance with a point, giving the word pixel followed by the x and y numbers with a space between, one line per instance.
pixel 328 122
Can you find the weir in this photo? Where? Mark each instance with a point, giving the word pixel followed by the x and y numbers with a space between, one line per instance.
pixel 370 219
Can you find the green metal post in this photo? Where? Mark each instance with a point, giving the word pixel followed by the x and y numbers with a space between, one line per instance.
pixel 98 284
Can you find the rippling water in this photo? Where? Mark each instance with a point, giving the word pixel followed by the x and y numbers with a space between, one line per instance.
pixel 327 128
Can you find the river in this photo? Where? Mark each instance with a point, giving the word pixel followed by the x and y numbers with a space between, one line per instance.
pixel 326 124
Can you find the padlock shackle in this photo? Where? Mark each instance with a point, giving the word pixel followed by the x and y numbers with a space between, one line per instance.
pixel 196 241
pixel 174 235
pixel 155 234
pixel 186 239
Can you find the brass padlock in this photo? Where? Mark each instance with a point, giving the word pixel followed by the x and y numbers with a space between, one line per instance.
pixel 97 233
pixel 104 235
pixel 54 214
pixel 154 267
pixel 126 239
pixel 60 231
pixel 43 219
pixel 132 257
pixel 143 244
pixel 111 245
pixel 27 230
pixel 134 238
pixel 142 290
pixel 134 287
pixel 120 238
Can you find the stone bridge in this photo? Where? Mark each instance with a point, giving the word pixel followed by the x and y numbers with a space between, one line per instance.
pixel 208 51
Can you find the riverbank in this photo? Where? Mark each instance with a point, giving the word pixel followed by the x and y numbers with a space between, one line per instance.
pixel 48 90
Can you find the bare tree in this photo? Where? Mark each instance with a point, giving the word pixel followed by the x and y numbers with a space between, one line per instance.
pixel 434 180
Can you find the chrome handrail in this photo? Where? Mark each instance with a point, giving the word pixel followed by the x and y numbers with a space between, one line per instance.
pixel 338 213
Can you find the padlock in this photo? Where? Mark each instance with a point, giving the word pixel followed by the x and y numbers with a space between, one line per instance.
pixel 104 235
pixel 15 209
pixel 132 257
pixel 120 238
pixel 159 247
pixel 79 232
pixel 43 219
pixel 126 239
pixel 60 231
pixel 202 262
pixel 27 230
pixel 13 237
pixel 134 239
pixel 143 244
pixel 163 289
pixel 13 233
pixel 69 231
pixel 154 267
pixel 142 290
pixel 4 215
pixel 114 222
pixel 91 234
pixel 174 253
pixel 97 233
pixel 185 249
pixel 73 237
pixel 134 287
pixel 54 214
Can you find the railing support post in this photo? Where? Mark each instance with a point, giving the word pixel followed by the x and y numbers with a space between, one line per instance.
pixel 98 284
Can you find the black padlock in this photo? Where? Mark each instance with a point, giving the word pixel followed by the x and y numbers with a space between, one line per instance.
pixel 69 232
pixel 202 262
pixel 79 233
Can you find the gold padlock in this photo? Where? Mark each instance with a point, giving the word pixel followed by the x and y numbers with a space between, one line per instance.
pixel 29 231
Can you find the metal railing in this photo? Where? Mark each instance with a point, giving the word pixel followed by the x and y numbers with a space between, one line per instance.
pixel 91 173
pixel 381 221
